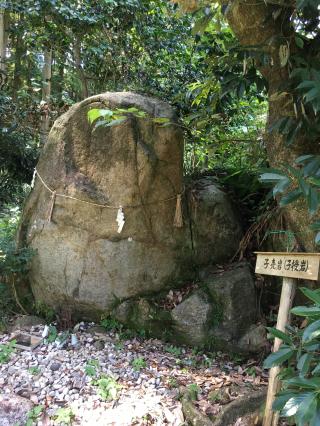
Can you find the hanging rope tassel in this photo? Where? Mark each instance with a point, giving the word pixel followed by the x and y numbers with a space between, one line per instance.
pixel 53 198
pixel 178 218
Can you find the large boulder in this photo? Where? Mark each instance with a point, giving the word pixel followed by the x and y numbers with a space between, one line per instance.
pixel 84 176
pixel 192 319
pixel 81 259
pixel 222 313
pixel 216 230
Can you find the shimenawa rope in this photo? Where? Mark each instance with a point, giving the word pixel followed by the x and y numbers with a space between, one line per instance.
pixel 178 217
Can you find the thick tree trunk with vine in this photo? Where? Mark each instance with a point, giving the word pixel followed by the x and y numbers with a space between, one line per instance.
pixel 254 24
pixel 259 25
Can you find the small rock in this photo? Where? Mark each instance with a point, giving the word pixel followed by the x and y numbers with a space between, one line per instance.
pixel 55 366
pixel 26 322
pixel 99 345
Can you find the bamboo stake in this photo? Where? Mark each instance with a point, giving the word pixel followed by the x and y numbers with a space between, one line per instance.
pixel 286 299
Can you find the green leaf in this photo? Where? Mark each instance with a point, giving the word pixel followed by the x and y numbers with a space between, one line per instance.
pixel 93 114
pixel 277 358
pixel 317 239
pixel 289 198
pixel 300 382
pixel 312 331
pixel 313 295
pixel 116 122
pixel 304 186
pixel 281 399
pixel 305 311
pixel 280 334
pixel 292 405
pixel 299 42
pixel 307 408
pixel 315 420
pixel 271 177
pixel 313 201
pixel 315 226
pixel 304 364
pixel 316 370
pixel 100 123
pixel 161 120
pixel 281 186
pixel 303 158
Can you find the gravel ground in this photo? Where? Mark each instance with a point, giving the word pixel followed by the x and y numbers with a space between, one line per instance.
pixel 140 378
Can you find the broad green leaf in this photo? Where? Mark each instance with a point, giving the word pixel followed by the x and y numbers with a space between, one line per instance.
pixel 312 331
pixel 281 186
pixel 106 112
pixel 281 399
pixel 304 186
pixel 315 226
pixel 93 114
pixel 312 166
pixel 271 177
pixel 316 370
pixel 313 295
pixel 305 311
pixel 308 84
pixel 292 405
pixel 317 239
pixel 313 201
pixel 303 158
pixel 300 382
pixel 100 123
pixel 280 334
pixel 304 364
pixel 277 358
pixel 315 420
pixel 307 408
pixel 289 198
pixel 314 181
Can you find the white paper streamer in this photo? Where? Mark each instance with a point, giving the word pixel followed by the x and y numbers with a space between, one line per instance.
pixel 120 219
pixel 33 178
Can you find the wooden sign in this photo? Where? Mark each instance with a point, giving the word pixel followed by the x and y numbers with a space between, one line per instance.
pixel 291 265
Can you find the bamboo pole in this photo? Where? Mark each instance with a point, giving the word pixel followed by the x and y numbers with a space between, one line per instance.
pixel 286 299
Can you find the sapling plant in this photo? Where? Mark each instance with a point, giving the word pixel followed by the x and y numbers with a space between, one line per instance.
pixel 6 350
pixel 299 357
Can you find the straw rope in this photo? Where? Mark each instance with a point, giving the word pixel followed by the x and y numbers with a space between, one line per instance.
pixel 55 194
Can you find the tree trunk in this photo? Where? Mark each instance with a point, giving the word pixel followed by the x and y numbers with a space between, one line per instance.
pixel 58 90
pixel 253 25
pixel 77 60
pixel 4 22
pixel 19 50
pixel 46 92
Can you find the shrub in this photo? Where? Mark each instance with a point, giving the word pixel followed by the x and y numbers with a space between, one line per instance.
pixel 13 261
pixel 299 356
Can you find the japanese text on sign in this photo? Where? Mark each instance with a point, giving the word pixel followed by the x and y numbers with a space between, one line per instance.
pixel 294 265
pixel 287 265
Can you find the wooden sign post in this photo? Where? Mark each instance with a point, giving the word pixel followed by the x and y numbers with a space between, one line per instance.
pixel 290 266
